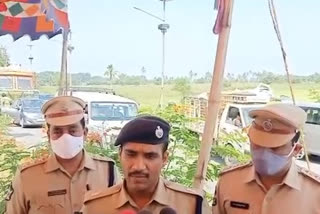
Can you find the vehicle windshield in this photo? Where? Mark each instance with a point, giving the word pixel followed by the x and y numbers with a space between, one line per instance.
pixel 102 111
pixel 33 106
pixel 313 115
pixel 245 112
pixel 6 82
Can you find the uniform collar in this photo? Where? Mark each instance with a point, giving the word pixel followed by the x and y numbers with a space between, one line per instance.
pixel 124 197
pixel 87 162
pixel 159 196
pixel 291 179
pixel 251 175
pixel 52 164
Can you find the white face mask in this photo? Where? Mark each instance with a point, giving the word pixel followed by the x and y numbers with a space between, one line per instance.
pixel 67 146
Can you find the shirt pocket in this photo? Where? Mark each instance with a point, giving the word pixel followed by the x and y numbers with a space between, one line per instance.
pixel 238 207
pixel 49 205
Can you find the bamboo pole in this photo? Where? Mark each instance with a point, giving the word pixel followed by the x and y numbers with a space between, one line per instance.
pixel 214 98
pixel 274 18
pixel 273 14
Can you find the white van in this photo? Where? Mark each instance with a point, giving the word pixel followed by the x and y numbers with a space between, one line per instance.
pixel 107 113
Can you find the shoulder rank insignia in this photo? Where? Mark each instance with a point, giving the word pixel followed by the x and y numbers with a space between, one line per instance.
pixel 32 163
pixel 309 174
pixel 235 167
pixel 180 188
pixel 93 195
pixel 101 158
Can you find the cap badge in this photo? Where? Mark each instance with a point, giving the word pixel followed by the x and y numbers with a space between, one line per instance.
pixel 267 125
pixel 64 108
pixel 159 132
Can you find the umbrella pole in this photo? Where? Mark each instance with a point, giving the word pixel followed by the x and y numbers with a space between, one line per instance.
pixel 63 85
pixel 214 99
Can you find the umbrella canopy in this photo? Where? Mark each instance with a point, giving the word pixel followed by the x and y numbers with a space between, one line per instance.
pixel 33 18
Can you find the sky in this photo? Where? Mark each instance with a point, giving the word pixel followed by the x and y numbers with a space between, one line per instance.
pixel 112 32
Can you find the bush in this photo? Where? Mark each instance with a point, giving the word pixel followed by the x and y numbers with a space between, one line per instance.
pixel 184 149
pixel 183 86
pixel 314 95
pixel 10 157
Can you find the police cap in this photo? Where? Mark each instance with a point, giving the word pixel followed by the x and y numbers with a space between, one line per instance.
pixel 144 129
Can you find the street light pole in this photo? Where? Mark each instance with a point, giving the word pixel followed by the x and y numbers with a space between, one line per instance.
pixel 163 27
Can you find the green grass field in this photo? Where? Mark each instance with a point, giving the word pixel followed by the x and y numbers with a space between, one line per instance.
pixel 149 95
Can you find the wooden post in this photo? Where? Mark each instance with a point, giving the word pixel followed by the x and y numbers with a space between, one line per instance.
pixel 214 99
pixel 64 71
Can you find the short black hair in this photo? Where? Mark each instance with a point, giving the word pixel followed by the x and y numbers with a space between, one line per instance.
pixel 165 146
pixel 296 138
pixel 82 122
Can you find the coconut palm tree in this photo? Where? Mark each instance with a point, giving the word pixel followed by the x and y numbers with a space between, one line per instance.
pixel 111 74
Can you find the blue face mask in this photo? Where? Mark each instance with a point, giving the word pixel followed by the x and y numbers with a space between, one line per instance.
pixel 267 163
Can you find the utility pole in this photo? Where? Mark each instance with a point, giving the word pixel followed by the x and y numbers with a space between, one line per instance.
pixel 70 48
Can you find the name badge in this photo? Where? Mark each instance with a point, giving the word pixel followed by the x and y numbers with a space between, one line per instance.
pixel 240 205
pixel 57 192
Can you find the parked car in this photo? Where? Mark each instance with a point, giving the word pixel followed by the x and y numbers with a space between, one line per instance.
pixel 45 97
pixel 27 112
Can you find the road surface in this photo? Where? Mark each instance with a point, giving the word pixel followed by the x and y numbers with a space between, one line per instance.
pixel 27 137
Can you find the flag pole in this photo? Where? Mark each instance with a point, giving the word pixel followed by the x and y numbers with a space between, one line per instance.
pixel 215 93
pixel 63 85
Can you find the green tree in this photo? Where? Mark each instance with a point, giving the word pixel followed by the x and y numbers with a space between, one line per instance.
pixel 182 85
pixel 314 95
pixel 81 78
pixel 4 57
pixel 143 71
pixel 208 76
pixel 48 78
pixel 111 74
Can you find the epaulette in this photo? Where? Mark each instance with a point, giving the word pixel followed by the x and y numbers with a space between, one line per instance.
pixel 32 163
pixel 93 195
pixel 180 188
pixel 309 174
pixel 101 158
pixel 235 167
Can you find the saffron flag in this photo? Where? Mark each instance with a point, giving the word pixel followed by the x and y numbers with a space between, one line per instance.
pixel 33 18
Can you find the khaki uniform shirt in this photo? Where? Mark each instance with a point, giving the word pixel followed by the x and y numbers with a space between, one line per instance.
pixel 240 191
pixel 45 187
pixel 116 199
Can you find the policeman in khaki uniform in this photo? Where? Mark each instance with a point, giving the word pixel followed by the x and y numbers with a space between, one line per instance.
pixel 143 153
pixel 272 183
pixel 57 184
